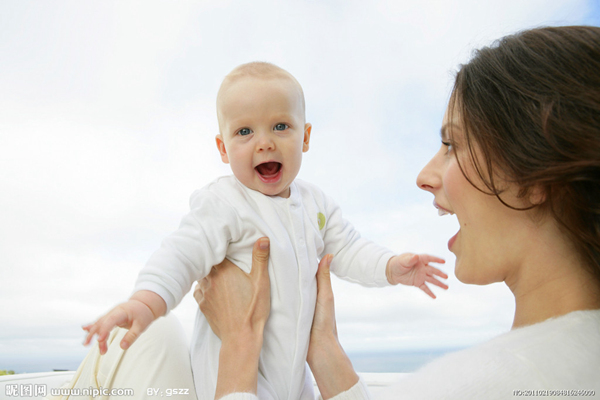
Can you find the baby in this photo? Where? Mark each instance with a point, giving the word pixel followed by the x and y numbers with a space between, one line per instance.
pixel 263 133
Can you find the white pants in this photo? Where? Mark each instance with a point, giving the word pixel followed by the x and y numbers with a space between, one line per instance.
pixel 156 366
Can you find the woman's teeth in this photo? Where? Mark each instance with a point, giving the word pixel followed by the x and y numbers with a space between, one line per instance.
pixel 441 211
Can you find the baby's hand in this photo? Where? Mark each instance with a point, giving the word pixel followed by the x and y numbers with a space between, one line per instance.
pixel 133 315
pixel 414 270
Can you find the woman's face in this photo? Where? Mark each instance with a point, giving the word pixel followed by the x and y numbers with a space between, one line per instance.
pixel 493 238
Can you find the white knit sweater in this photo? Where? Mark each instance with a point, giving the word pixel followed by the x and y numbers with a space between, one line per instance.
pixel 558 358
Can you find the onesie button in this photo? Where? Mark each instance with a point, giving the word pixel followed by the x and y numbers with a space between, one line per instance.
pixel 301 241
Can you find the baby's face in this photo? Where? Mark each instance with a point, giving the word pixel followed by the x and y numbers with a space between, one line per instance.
pixel 263 132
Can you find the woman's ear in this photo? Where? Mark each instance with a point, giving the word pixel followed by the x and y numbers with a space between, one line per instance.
pixel 537 195
pixel 222 149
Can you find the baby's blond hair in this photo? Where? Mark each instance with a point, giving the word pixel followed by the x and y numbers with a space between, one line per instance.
pixel 261 70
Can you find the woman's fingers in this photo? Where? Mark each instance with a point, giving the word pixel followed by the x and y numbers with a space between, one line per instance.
pixel 230 298
pixel 324 319
pixel 323 329
pixel 324 278
pixel 260 278
pixel 328 362
pixel 260 258
pixel 198 293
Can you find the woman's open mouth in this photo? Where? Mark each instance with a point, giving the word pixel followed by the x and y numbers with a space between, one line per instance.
pixel 441 210
pixel 269 172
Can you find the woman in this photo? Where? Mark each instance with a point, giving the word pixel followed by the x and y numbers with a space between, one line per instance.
pixel 519 165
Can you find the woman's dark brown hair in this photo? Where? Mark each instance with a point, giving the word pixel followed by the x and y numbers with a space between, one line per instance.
pixel 531 104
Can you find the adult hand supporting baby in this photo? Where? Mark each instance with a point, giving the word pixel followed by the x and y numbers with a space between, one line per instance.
pixel 237 306
pixel 327 359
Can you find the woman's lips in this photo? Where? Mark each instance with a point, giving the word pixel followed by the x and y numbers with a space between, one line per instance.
pixel 442 210
pixel 452 240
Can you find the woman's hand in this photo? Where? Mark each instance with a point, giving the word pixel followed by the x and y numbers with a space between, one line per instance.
pixel 324 328
pixel 232 300
pixel 329 363
pixel 237 306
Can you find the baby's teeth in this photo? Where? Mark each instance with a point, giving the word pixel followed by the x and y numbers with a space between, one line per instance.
pixel 441 212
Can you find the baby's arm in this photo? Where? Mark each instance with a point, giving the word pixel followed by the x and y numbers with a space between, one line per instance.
pixel 362 261
pixel 136 315
pixel 186 255
pixel 414 270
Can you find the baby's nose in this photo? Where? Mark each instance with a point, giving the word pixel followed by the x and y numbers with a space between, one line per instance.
pixel 265 142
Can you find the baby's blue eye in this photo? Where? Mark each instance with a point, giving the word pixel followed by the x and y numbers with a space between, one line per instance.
pixel 244 131
pixel 281 127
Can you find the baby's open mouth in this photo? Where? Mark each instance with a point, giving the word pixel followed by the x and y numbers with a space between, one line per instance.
pixel 269 170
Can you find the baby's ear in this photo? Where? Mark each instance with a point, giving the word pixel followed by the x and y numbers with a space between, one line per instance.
pixel 307 130
pixel 222 150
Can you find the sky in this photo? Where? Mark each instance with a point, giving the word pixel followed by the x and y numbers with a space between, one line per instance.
pixel 107 125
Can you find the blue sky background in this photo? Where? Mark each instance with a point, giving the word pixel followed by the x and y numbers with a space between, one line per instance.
pixel 107 125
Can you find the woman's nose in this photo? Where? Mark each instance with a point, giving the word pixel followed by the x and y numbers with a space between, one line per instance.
pixel 429 178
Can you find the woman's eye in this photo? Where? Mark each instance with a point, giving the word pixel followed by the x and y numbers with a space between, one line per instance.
pixel 244 131
pixel 281 127
pixel 448 145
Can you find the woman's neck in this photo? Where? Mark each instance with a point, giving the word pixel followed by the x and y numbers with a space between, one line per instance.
pixel 555 297
pixel 551 281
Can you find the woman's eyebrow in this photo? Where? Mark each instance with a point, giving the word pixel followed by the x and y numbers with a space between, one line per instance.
pixel 444 131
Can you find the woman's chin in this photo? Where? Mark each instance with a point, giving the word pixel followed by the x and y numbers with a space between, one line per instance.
pixel 462 274
pixel 469 278
pixel 458 273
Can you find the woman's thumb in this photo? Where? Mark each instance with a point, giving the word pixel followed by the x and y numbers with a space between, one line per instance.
pixel 260 256
pixel 324 272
